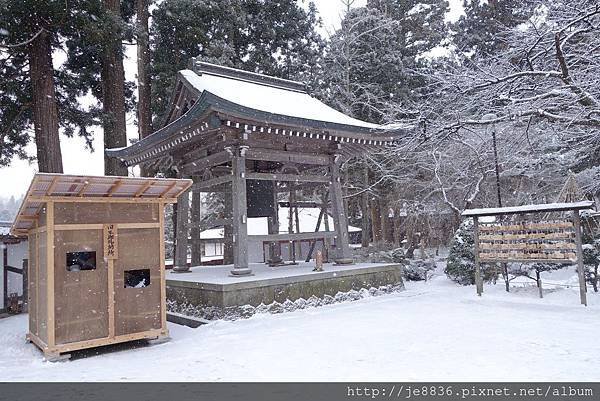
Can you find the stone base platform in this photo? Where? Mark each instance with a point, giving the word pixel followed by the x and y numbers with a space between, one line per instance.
pixel 210 292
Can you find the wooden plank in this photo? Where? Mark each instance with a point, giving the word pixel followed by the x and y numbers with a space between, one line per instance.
pixel 101 199
pixel 85 185
pixel 289 177
pixel 106 341
pixel 111 298
pixel 286 157
pixel 207 184
pixel 99 226
pixel 293 236
pixel 114 188
pixel 143 189
pixel 50 273
pixel 206 162
pixel 580 267
pixel 169 189
pixel 163 281
pixel 50 189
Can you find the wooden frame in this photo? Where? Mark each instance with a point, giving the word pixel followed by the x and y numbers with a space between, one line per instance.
pixel 523 232
pixel 55 329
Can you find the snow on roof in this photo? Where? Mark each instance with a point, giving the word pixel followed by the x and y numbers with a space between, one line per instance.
pixel 269 98
pixel 259 225
pixel 546 207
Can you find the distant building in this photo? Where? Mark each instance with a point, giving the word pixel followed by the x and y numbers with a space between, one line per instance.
pixel 14 250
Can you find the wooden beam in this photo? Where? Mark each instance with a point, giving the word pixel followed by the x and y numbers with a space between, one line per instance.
pixel 293 236
pixel 143 189
pixel 239 215
pixel 478 279
pixel 111 298
pixel 580 267
pixel 206 162
pixel 288 177
pixel 169 188
pixel 339 214
pixel 84 187
pixel 50 326
pixel 114 188
pixel 163 280
pixel 52 185
pixel 286 157
pixel 213 182
pixel 100 199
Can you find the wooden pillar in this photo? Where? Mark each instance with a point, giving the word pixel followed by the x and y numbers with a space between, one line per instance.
pixel 275 246
pixel 228 229
pixel 478 278
pixel 195 226
pixel 580 271
pixel 163 280
pixel 25 285
pixel 340 220
pixel 181 241
pixel 239 214
pixel 364 210
pixel 50 274
pixel 5 275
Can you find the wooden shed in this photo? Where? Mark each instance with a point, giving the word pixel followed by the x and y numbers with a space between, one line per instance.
pixel 96 259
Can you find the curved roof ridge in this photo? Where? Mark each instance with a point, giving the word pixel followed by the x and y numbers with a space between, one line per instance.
pixel 202 67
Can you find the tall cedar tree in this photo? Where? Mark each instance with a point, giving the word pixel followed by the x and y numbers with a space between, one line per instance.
pixel 113 90
pixel 27 42
pixel 480 31
pixel 144 112
pixel 32 93
pixel 275 38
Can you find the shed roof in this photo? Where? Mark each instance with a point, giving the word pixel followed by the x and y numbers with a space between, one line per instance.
pixel 84 188
pixel 542 208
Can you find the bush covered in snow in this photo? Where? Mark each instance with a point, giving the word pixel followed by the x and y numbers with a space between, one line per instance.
pixel 418 270
pixel 460 266
pixel 380 253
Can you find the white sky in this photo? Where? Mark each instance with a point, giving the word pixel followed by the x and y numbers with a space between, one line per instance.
pixel 15 179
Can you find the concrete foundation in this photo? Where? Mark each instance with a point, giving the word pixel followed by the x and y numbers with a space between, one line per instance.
pixel 213 288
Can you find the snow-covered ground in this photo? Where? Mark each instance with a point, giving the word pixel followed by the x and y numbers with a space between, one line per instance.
pixel 432 331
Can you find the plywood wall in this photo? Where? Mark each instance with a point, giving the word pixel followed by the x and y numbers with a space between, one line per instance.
pixel 81 297
pixel 42 289
pixel 138 309
pixel 104 213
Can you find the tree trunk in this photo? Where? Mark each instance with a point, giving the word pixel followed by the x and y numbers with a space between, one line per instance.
pixel 113 94
pixel 143 61
pixel 45 110
pixel 376 220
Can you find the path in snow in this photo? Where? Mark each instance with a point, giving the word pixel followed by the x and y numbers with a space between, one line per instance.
pixel 431 331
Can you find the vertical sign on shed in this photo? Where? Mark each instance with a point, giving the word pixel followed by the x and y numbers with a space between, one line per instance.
pixel 110 242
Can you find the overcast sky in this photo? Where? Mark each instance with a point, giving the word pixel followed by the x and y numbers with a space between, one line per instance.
pixel 15 179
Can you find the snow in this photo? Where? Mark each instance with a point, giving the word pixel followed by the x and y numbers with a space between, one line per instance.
pixel 529 208
pixel 269 98
pixel 260 226
pixel 220 274
pixel 432 331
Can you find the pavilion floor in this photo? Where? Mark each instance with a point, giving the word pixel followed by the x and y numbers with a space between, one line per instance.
pixel 210 292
